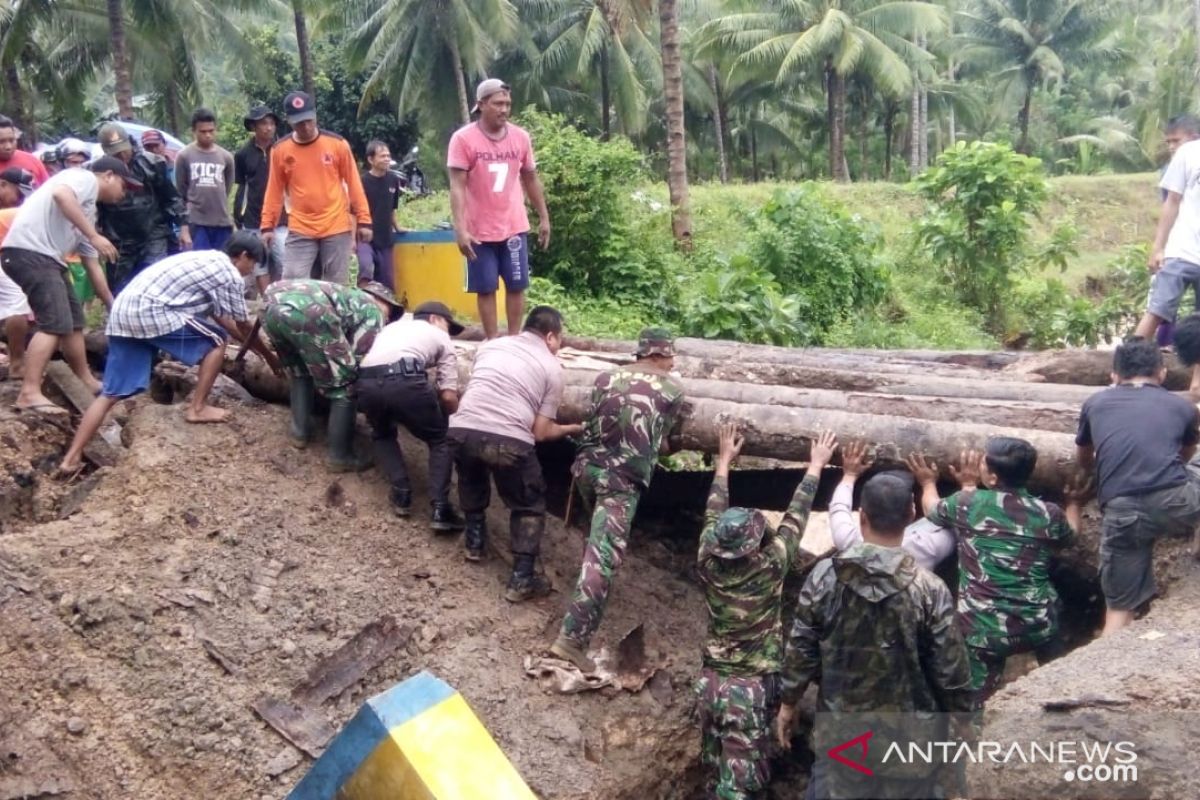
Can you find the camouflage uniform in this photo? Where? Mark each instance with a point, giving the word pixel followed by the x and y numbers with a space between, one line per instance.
pixel 321 329
pixel 743 564
pixel 633 409
pixel 878 633
pixel 1006 602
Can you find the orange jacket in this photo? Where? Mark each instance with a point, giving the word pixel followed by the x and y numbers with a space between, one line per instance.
pixel 317 176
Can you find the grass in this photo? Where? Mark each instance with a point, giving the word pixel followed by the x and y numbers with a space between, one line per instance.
pixel 1109 212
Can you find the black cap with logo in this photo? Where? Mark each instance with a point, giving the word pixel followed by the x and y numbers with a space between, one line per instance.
pixel 299 107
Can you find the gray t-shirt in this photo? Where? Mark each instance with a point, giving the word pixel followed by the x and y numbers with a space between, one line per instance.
pixel 204 178
pixel 1138 431
pixel 40 225
pixel 514 379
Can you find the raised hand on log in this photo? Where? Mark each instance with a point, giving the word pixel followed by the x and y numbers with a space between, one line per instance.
pixel 925 471
pixel 971 469
pixel 855 460
pixel 822 450
pixel 729 445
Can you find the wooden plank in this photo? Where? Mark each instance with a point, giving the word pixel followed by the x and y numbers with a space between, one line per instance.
pixel 351 662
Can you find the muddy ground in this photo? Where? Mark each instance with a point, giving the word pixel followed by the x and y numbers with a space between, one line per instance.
pixel 215 565
pixel 109 616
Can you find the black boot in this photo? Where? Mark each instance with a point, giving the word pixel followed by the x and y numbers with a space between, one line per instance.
pixel 401 502
pixel 445 519
pixel 302 394
pixel 475 538
pixel 342 457
pixel 525 583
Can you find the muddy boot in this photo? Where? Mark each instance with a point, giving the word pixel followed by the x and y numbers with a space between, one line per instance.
pixel 445 519
pixel 476 536
pixel 342 457
pixel 525 584
pixel 401 502
pixel 567 650
pixel 302 394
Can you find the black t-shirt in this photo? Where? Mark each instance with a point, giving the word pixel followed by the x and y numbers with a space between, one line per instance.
pixel 252 167
pixel 1138 431
pixel 382 196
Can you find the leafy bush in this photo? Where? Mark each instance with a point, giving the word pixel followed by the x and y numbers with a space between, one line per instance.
pixel 732 298
pixel 976 230
pixel 592 316
pixel 1047 314
pixel 825 259
pixel 592 248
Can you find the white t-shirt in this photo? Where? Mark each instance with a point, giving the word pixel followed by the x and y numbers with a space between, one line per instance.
pixel 40 225
pixel 1183 177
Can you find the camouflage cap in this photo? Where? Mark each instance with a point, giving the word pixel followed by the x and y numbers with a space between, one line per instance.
pixel 738 533
pixel 377 289
pixel 655 342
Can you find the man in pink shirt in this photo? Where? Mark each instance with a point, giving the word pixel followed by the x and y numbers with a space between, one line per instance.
pixel 10 156
pixel 492 169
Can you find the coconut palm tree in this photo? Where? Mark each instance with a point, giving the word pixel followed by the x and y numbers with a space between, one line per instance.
pixel 418 51
pixel 1024 44
pixel 578 44
pixel 829 40
pixel 677 177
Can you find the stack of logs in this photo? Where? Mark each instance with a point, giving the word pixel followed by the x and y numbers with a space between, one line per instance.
pixel 900 401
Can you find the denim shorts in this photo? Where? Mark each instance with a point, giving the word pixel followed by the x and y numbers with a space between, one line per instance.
pixel 1168 284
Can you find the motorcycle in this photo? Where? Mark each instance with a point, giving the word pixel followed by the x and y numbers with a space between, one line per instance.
pixel 412 179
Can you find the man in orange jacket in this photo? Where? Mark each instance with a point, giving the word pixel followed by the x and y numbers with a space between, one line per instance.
pixel 317 171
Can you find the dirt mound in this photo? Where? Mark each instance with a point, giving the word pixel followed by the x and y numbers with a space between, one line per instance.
pixel 215 565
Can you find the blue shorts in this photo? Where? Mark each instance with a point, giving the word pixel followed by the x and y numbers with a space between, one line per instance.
pixel 130 360
pixel 495 260
pixel 1167 287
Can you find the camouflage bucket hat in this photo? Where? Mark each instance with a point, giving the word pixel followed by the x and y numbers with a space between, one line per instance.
pixel 738 533
pixel 655 342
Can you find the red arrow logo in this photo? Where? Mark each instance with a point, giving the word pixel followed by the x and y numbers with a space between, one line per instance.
pixel 858 741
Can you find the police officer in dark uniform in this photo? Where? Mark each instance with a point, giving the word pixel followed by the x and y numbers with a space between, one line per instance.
pixel 143 224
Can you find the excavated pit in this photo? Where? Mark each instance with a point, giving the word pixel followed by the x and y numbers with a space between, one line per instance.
pixel 201 507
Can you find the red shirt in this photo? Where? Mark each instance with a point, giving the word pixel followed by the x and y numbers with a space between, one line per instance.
pixel 30 162
pixel 495 197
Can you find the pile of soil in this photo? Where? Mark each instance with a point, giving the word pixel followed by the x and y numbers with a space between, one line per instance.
pixel 215 565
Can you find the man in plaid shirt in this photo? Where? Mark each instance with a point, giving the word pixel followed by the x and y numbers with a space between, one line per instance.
pixel 167 307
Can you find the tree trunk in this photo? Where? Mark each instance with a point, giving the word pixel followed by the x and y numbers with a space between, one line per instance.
pixel 605 97
pixel 1196 32
pixel 864 137
pixel 889 132
pixel 838 133
pixel 829 119
pixel 914 128
pixel 677 178
pixel 924 127
pixel 1089 368
pixel 20 111
pixel 302 45
pixel 173 111
pixel 753 149
pixel 951 120
pixel 123 87
pixel 1023 121
pixel 460 82
pixel 718 123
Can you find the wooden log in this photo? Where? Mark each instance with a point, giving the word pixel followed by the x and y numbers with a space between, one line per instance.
pixel 1089 368
pixel 979 359
pixel 106 448
pixel 786 433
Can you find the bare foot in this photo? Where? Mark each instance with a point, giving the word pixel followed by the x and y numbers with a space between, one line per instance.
pixel 94 386
pixel 16 371
pixel 39 403
pixel 205 414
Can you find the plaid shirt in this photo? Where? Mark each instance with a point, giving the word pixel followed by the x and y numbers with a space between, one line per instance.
pixel 166 294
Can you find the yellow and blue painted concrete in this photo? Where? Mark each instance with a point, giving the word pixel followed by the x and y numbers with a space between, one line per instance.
pixel 418 740
pixel 428 266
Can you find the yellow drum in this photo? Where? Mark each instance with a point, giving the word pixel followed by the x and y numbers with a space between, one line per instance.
pixel 428 266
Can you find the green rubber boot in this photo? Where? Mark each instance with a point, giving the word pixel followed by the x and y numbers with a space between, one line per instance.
pixel 303 395
pixel 342 457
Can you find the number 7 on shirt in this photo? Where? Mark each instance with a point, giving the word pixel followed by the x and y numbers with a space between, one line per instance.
pixel 501 170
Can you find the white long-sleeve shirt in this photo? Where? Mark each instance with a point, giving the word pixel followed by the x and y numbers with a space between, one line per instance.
pixel 925 542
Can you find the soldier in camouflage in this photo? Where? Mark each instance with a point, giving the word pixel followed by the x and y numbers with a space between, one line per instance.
pixel 633 410
pixel 877 632
pixel 742 564
pixel 320 331
pixel 1006 540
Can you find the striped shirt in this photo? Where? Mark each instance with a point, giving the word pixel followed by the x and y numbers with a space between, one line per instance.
pixel 165 295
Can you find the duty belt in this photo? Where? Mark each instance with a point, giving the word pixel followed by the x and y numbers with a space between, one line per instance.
pixel 408 367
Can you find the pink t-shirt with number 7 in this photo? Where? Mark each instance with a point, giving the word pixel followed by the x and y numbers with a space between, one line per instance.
pixel 495 197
